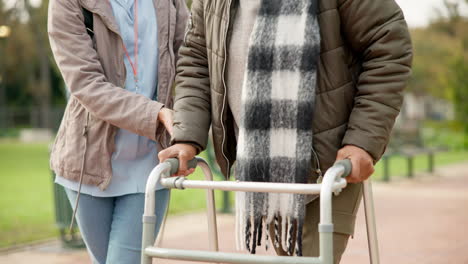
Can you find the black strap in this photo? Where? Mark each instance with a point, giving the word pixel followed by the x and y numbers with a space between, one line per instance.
pixel 88 21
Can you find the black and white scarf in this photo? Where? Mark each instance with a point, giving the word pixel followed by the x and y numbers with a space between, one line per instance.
pixel 275 132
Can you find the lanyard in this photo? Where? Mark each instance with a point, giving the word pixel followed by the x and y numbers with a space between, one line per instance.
pixel 134 63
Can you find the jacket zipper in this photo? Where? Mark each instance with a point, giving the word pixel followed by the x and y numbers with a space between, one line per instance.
pixel 225 88
pixel 189 28
pixel 171 82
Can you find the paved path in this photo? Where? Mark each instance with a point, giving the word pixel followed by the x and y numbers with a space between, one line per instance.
pixel 422 221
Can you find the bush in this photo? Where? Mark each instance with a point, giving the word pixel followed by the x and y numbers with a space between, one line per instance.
pixel 443 134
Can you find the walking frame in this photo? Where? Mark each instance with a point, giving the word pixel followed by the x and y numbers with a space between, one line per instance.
pixel 333 182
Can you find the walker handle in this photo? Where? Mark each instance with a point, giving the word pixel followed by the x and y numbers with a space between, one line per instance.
pixel 348 166
pixel 192 164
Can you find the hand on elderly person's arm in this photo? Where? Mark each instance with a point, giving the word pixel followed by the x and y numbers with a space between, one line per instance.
pixel 166 117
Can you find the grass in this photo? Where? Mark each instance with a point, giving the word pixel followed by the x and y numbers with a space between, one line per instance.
pixel 192 200
pixel 398 164
pixel 26 198
pixel 26 194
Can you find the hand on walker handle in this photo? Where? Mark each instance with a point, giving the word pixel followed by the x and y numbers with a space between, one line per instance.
pixel 184 152
pixel 165 116
pixel 363 164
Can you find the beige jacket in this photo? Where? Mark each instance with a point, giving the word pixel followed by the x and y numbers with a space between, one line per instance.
pixel 94 71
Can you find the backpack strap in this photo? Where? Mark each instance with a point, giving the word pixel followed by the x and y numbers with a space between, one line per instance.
pixel 88 21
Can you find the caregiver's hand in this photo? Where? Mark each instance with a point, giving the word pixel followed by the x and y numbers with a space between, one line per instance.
pixel 165 116
pixel 184 152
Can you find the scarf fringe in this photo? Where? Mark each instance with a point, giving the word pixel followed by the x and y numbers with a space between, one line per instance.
pixel 283 217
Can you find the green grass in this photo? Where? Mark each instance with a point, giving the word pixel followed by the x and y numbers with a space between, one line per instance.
pixel 191 200
pixel 26 198
pixel 398 164
pixel 25 194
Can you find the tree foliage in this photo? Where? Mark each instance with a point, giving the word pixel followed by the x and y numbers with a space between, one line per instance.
pixel 436 49
pixel 440 66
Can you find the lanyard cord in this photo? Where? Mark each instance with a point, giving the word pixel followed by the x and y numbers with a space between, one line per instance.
pixel 134 63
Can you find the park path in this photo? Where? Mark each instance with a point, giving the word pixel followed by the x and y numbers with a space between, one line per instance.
pixel 420 221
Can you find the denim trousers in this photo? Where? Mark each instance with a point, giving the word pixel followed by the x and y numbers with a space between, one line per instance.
pixel 111 227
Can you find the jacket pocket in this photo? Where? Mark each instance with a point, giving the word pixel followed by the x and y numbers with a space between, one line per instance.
pixel 57 146
pixel 73 151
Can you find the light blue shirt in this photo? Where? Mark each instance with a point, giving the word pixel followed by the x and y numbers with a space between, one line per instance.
pixel 134 156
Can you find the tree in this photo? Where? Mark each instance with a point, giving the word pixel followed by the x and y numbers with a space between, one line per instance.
pixel 42 88
pixel 456 26
pixel 440 66
pixel 31 78
pixel 460 85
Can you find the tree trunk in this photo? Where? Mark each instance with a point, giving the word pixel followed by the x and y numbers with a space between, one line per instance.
pixel 42 89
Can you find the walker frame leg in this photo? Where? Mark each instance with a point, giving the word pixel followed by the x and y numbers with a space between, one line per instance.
pixel 211 208
pixel 370 222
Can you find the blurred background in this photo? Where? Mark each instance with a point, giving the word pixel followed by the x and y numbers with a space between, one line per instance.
pixel 430 136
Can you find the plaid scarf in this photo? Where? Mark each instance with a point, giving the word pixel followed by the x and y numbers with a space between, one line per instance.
pixel 275 132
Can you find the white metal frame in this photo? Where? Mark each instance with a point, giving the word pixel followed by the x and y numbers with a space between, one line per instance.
pixel 332 183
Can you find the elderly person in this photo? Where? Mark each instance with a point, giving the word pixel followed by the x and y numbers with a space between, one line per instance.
pixel 289 87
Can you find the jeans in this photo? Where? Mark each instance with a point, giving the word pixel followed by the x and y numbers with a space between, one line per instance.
pixel 111 227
